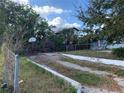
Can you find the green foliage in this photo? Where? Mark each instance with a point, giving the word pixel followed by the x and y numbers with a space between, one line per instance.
pixel 107 12
pixel 69 35
pixel 57 41
pixel 118 52
pixel 2 22
pixel 22 23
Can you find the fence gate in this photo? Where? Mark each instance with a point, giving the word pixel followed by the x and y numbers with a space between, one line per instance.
pixel 11 70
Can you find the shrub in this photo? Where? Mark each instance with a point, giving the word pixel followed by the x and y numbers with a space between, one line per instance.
pixel 118 52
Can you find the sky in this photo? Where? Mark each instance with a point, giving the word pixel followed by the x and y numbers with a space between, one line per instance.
pixel 59 13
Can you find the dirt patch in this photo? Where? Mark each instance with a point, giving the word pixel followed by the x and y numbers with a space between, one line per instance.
pixel 80 76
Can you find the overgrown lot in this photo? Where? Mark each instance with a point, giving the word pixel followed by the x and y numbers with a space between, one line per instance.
pixel 84 78
pixel 37 80
pixel 97 66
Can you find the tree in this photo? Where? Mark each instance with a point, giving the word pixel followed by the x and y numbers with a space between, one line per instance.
pixel 69 35
pixel 2 21
pixel 105 15
pixel 22 22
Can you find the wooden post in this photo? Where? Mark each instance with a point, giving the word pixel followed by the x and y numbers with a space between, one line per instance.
pixel 16 75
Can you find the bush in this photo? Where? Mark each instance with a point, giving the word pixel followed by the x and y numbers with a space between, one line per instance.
pixel 119 52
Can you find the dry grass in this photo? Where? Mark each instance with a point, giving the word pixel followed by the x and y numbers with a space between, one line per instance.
pixel 85 78
pixel 93 53
pixel 1 71
pixel 96 66
pixel 37 80
pixel 1 66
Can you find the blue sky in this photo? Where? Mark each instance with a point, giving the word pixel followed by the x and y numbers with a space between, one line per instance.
pixel 60 13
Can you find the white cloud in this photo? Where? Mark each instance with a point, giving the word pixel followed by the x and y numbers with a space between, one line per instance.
pixel 60 23
pixel 72 25
pixel 56 22
pixel 21 1
pixel 44 11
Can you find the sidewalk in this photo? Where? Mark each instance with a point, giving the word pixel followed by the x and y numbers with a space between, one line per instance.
pixel 98 60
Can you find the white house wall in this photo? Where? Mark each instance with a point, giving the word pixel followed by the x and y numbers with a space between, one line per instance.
pixel 115 46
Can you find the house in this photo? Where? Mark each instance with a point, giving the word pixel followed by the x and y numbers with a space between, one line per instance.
pixel 98 45
pixel 102 44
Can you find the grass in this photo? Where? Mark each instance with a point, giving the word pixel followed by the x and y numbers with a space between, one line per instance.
pixel 85 78
pixel 37 80
pixel 96 66
pixel 1 71
pixel 93 53
pixel 1 66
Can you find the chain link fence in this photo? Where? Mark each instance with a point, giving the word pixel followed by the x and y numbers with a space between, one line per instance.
pixel 11 71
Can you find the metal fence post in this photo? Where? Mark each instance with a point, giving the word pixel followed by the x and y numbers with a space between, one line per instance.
pixel 16 75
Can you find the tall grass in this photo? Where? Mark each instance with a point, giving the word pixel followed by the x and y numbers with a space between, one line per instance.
pixel 1 65
pixel 1 70
pixel 37 80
